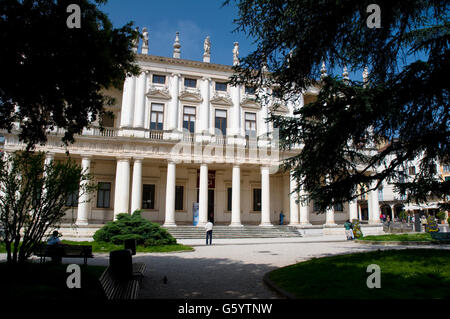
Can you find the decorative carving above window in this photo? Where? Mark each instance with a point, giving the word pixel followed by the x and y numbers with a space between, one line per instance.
pixel 221 99
pixel 158 93
pixel 191 95
pixel 250 104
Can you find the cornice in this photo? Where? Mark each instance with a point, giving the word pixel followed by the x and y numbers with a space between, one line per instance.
pixel 183 62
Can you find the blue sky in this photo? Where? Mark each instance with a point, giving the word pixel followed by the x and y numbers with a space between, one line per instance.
pixel 194 19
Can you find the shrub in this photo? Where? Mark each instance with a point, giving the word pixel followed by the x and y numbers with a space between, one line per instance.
pixel 440 215
pixel 134 227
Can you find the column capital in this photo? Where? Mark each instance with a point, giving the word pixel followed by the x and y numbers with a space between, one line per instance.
pixel 206 78
pixel 175 75
pixel 138 159
pixel 123 158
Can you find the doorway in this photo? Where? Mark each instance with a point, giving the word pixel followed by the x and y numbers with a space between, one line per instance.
pixel 211 205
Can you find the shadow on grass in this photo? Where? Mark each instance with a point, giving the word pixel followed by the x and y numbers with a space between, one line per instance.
pixel 405 274
pixel 33 281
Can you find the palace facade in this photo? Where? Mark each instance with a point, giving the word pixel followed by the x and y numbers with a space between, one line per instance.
pixel 183 141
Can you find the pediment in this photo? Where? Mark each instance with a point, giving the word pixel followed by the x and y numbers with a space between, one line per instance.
pixel 279 108
pixel 250 103
pixel 155 93
pixel 221 100
pixel 187 96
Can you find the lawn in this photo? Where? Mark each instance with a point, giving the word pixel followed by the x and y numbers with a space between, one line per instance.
pixel 400 237
pixel 405 274
pixel 48 282
pixel 102 247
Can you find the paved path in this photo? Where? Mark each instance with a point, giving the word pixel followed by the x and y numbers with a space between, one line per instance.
pixel 230 268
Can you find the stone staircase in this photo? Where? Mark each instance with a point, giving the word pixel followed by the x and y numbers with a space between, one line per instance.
pixel 219 232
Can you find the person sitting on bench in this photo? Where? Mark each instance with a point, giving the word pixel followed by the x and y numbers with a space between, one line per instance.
pixel 54 245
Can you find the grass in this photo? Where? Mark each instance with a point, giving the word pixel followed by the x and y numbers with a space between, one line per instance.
pixel 103 247
pixel 48 282
pixel 400 237
pixel 405 274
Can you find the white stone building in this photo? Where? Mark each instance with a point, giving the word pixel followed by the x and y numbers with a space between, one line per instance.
pixel 180 136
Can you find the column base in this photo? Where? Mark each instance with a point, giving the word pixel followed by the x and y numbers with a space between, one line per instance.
pixel 305 224
pixel 265 225
pixel 169 225
pixel 236 225
pixel 333 224
pixel 81 223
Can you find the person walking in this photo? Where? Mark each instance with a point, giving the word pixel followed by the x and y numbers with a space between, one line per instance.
pixel 209 229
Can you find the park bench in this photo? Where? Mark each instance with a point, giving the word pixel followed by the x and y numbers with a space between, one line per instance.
pixel 67 251
pixel 122 277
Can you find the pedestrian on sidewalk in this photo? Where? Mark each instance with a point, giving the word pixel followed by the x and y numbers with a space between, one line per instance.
pixel 209 229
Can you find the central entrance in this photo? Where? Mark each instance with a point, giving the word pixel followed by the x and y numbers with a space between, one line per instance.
pixel 211 187
pixel 211 205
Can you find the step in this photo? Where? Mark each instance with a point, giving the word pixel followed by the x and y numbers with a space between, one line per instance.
pixel 192 232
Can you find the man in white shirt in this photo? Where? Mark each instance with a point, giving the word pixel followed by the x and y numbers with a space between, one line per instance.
pixel 209 228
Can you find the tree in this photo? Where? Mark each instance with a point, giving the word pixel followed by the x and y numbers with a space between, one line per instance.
pixel 33 198
pixel 356 133
pixel 54 74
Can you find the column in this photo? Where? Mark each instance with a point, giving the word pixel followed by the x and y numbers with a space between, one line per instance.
pixel 140 98
pixel 84 207
pixel 293 205
pixel 304 213
pixel 353 209
pixel 204 124
pixel 136 188
pixel 170 195
pixel 128 102
pixel 329 215
pixel 374 207
pixel 265 197
pixel 236 110
pixel 49 157
pixel 122 187
pixel 236 197
pixel 173 105
pixel 203 196
pixel 392 211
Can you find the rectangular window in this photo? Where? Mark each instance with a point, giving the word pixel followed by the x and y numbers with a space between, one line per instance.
pixel 190 83
pixel 220 86
pixel 412 170
pixel 446 168
pixel 107 120
pixel 157 117
pixel 179 190
pixel 159 79
pixel 229 199
pixel 257 199
pixel 221 121
pixel 72 199
pixel 148 196
pixel 316 207
pixel 103 195
pixel 189 118
pixel 339 207
pixel 249 90
pixel 250 124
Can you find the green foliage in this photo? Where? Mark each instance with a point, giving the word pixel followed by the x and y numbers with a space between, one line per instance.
pixel 33 198
pixel 56 74
pixel 399 112
pixel 403 215
pixel 134 227
pixel 440 215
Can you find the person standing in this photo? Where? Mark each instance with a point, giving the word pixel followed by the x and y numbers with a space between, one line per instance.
pixel 349 230
pixel 209 229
